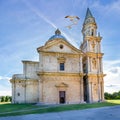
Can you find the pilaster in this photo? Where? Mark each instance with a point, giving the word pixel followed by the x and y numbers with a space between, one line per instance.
pixel 81 65
pixel 40 91
pixel 102 87
pixel 88 64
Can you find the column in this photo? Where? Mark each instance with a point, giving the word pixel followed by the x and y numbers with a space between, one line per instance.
pixel 89 92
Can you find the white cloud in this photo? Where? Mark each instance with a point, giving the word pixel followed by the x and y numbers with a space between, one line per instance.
pixel 107 9
pixel 5 93
pixel 5 88
pixel 112 80
pixel 4 78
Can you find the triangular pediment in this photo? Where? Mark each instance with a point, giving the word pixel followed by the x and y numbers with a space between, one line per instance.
pixel 59 45
pixel 62 85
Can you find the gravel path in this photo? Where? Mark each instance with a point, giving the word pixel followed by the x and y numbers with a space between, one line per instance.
pixel 104 113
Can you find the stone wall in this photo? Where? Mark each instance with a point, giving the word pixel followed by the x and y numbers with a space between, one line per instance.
pixel 25 91
pixel 30 68
pixel 51 86
pixel 50 63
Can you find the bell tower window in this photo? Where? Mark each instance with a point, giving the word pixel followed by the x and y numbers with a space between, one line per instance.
pixel 92 33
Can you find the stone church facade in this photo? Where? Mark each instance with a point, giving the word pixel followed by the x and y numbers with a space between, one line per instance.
pixel 63 74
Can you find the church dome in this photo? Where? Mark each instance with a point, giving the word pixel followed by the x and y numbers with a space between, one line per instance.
pixel 57 35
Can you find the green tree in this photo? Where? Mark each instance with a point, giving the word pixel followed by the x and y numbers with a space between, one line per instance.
pixel 115 95
pixel 107 96
pixel 7 99
pixel 3 99
pixel 10 99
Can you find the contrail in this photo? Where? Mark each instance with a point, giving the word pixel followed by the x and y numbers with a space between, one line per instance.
pixel 47 20
pixel 39 14
pixel 69 39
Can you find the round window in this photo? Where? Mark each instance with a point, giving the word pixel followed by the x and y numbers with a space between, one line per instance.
pixel 61 46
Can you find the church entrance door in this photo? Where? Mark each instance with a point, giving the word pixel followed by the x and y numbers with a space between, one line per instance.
pixel 62 97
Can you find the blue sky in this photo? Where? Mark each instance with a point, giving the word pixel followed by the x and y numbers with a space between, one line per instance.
pixel 28 24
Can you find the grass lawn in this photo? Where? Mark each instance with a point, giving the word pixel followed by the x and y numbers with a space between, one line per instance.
pixel 22 109
pixel 4 102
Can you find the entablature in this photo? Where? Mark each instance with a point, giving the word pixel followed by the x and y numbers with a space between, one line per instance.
pixel 59 74
pixel 20 81
pixel 92 54
pixel 93 38
pixel 47 53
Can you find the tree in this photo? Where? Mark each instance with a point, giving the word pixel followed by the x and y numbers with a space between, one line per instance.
pixel 115 95
pixel 3 99
pixel 10 98
pixel 6 98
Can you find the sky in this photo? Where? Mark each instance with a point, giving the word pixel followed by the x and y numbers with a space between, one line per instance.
pixel 27 24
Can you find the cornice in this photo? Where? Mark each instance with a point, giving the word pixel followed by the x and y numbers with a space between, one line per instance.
pixel 96 75
pixel 91 54
pixel 95 38
pixel 61 53
pixel 59 74
pixel 56 41
pixel 30 62
pixel 23 80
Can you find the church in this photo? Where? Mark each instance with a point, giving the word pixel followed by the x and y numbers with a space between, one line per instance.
pixel 63 74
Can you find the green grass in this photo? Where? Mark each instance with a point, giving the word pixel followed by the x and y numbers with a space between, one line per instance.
pixel 4 102
pixel 114 101
pixel 22 109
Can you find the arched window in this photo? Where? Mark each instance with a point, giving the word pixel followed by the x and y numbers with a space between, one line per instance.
pixel 92 32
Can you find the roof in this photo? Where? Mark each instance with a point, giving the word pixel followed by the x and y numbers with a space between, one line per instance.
pixel 57 35
pixel 89 17
pixel 88 14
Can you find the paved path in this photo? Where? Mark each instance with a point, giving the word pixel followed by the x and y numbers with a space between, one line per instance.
pixel 105 113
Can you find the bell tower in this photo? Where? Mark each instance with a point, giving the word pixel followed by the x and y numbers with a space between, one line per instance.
pixel 92 60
